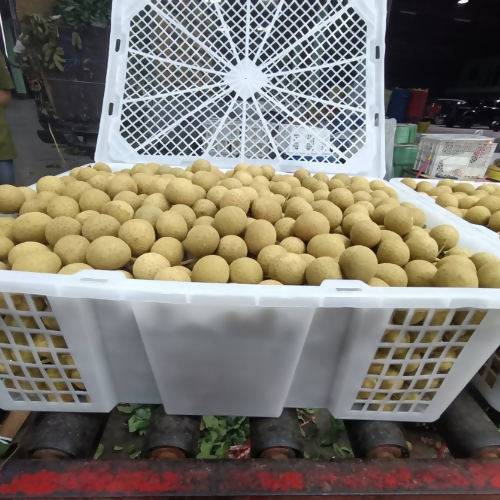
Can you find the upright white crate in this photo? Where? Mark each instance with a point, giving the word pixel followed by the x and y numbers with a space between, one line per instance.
pixel 186 77
pixel 455 155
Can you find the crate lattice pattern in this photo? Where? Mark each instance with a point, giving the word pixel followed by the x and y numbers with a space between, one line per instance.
pixel 490 371
pixel 35 362
pixel 307 63
pixel 416 353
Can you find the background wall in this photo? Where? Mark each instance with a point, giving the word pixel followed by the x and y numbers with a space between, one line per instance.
pixel 42 7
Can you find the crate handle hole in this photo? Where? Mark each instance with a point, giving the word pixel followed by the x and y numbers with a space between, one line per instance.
pixel 94 280
pixel 377 52
pixel 110 109
pixel 349 290
pixel 118 43
pixel 377 120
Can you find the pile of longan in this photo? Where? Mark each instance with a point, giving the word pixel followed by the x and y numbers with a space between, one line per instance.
pixel 249 225
pixel 480 206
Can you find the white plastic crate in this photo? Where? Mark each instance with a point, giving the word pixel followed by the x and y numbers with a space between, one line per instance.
pixel 487 380
pixel 188 78
pixel 246 350
pixel 454 155
pixel 459 222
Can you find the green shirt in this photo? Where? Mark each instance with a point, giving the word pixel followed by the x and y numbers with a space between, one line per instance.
pixel 7 149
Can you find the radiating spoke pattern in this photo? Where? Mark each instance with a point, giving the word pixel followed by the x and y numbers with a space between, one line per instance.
pixel 277 80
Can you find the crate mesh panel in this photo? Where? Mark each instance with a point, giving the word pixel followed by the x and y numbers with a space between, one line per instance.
pixel 415 356
pixel 35 362
pixel 305 62
pixel 490 371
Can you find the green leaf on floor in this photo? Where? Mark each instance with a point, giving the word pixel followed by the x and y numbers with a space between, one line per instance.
pixel 118 448
pixel 219 434
pixel 334 432
pixel 99 451
pixel 135 454
pixel 342 451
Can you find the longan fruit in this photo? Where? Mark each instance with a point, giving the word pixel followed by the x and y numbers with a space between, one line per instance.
pixel 455 211
pixel 172 274
pixel 50 183
pixel 6 227
pixel 494 222
pixel 311 224
pixel 75 268
pixel 301 174
pixel 268 254
pixel 323 268
pixel 411 183
pixel 149 213
pixel 72 249
pixel 108 253
pixel 98 182
pixel 393 252
pixel 129 197
pixel 100 225
pixel 325 245
pixel 94 199
pixel 62 206
pixel 378 215
pixel 258 235
pixel 245 271
pixel 455 276
pixel 482 259
pixel 288 269
pixel 232 247
pixel 85 173
pixel 236 198
pixel 282 188
pixel 293 245
pixel 186 212
pixel 30 227
pixel 366 233
pixel 295 207
pixel 38 262
pixel 230 220
pixel 489 275
pixel 35 205
pixel 358 263
pixel 75 190
pixel 171 249
pixel 139 235
pixel 252 193
pixel 350 220
pixel 204 221
pixel 420 273
pixel 201 165
pixel 356 208
pixel 344 178
pixel 392 274
pixel 157 200
pixel 172 224
pixel 202 241
pixel 120 210
pixel 11 199
pixel 458 260
pixel 460 251
pixel 423 248
pixel 60 227
pixel 216 194
pixel 231 184
pixel 6 246
pixel 244 177
pixel 120 183
pixel 446 236
pixel 266 208
pixel 342 198
pixel 464 187
pixel 204 208
pixel 210 269
pixel 22 248
pixel 375 282
pixel 399 220
pixel 284 228
pixel 29 194
pixel 491 202
pixel 206 180
pixel 478 215
pixel 147 266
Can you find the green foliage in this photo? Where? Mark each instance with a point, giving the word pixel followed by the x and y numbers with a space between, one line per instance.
pixel 81 14
pixel 40 39
pixel 333 434
pixel 308 426
pixel 140 416
pixel 342 451
pixel 219 434
pixel 99 451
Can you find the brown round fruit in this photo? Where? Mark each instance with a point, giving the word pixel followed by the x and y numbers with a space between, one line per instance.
pixel 358 263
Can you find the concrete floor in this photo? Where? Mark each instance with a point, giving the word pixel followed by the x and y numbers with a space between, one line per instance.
pixel 36 159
